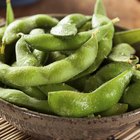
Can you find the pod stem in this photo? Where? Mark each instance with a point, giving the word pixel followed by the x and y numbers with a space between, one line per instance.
pixel 115 20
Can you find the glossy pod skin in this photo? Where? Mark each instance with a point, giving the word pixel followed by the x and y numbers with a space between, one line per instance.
pixel 25 25
pixel 105 43
pixel 9 13
pixel 132 95
pixel 67 68
pixel 19 98
pixel 123 53
pixel 104 74
pixel 99 8
pixel 104 48
pixel 41 56
pixel 34 92
pixel 116 109
pixel 69 24
pixel 75 104
pixel 130 37
pixel 48 42
pixel 24 56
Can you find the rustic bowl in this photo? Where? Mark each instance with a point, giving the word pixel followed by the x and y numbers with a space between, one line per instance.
pixel 45 127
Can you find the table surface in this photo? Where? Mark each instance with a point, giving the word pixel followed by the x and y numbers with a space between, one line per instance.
pixel 127 11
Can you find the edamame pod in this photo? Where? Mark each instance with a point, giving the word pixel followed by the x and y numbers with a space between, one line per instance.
pixel 74 104
pixel 24 56
pixel 104 48
pixel 105 45
pixel 123 53
pixel 37 31
pixel 104 74
pixel 69 24
pixel 25 25
pixel 34 92
pixel 40 55
pixel 130 37
pixel 99 8
pixel 48 42
pixel 9 13
pixel 19 98
pixel 116 109
pixel 67 68
pixel 132 95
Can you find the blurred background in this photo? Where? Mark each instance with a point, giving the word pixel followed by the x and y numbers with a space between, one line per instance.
pixel 127 10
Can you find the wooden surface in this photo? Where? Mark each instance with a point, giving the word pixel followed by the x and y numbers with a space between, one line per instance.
pixel 127 10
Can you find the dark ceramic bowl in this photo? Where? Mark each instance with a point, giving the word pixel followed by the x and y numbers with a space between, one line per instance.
pixel 43 126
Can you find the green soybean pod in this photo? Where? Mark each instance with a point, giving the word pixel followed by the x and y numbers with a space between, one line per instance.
pixel 34 92
pixel 76 104
pixel 69 24
pixel 105 46
pixel 19 98
pixel 9 13
pixel 48 42
pixel 123 53
pixel 67 68
pixel 130 37
pixel 24 56
pixel 41 56
pixel 116 109
pixel 132 95
pixel 37 31
pixel 99 8
pixel 104 74
pixel 25 25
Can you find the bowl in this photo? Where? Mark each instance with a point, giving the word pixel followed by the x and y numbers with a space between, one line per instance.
pixel 43 126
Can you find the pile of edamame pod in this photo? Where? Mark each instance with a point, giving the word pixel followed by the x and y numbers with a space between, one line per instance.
pixel 78 66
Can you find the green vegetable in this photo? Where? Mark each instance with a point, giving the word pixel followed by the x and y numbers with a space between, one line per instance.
pixel 74 104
